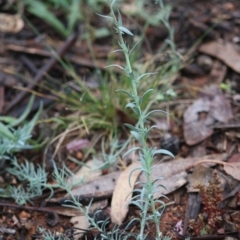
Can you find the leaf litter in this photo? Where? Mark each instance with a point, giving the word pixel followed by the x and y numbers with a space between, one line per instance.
pixel 201 120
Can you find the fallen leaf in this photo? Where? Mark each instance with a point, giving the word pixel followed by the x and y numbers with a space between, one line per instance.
pixel 80 224
pixel 196 132
pixel 203 113
pixel 202 174
pixel 122 193
pixel 86 173
pixel 227 52
pixel 200 105
pixel 220 109
pixel 99 186
pixel 234 158
pixel 232 168
pixel 104 186
pixel 10 23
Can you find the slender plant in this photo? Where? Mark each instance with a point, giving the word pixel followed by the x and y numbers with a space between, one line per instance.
pixel 140 132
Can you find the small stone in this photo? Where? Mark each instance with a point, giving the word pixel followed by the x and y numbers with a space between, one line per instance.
pixel 205 62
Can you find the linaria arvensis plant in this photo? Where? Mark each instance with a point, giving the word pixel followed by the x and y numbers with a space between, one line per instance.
pixel 145 199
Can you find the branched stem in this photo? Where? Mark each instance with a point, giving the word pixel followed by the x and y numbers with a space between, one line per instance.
pixel 147 158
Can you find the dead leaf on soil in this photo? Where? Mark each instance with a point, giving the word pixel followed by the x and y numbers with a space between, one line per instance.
pixel 202 174
pixel 102 185
pixel 10 23
pixel 196 132
pixel 173 174
pixel 232 168
pixel 122 193
pixel 86 172
pixel 227 52
pixel 79 222
pixel 203 113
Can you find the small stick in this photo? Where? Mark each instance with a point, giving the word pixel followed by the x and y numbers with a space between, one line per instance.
pixel 39 209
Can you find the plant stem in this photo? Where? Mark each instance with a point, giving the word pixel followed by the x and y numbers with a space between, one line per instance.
pixel 147 159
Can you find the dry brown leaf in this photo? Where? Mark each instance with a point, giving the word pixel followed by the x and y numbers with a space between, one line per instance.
pixel 202 174
pixel 227 52
pixel 102 185
pixel 232 168
pixel 122 193
pixel 172 172
pixel 170 168
pixel 86 173
pixel 79 222
pixel 203 113
pixel 196 132
pixel 10 23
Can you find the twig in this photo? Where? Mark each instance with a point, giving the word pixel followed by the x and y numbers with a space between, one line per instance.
pixel 46 68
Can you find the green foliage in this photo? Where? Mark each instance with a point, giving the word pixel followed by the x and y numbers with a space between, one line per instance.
pixel 48 235
pixel 71 9
pixel 13 140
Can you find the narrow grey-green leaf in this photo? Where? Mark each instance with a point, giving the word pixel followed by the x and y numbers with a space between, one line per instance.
pixel 135 135
pixel 25 113
pixel 144 94
pixel 104 16
pixel 113 1
pixel 125 30
pixel 145 74
pixel 136 111
pixel 131 150
pixel 117 50
pixel 7 119
pixel 163 151
pixel 115 65
pixel 40 10
pixel 134 46
pixel 131 127
pixel 155 111
pixel 126 92
pixel 130 105
pixel 119 18
pixel 148 131
pixel 4 130
pixel 34 120
pixel 135 169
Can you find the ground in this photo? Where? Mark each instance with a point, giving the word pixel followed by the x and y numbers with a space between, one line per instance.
pixel 57 51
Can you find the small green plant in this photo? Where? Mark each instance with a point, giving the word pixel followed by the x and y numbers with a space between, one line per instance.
pixel 211 198
pixel 13 140
pixel 48 235
pixel 145 197
pixel 71 11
